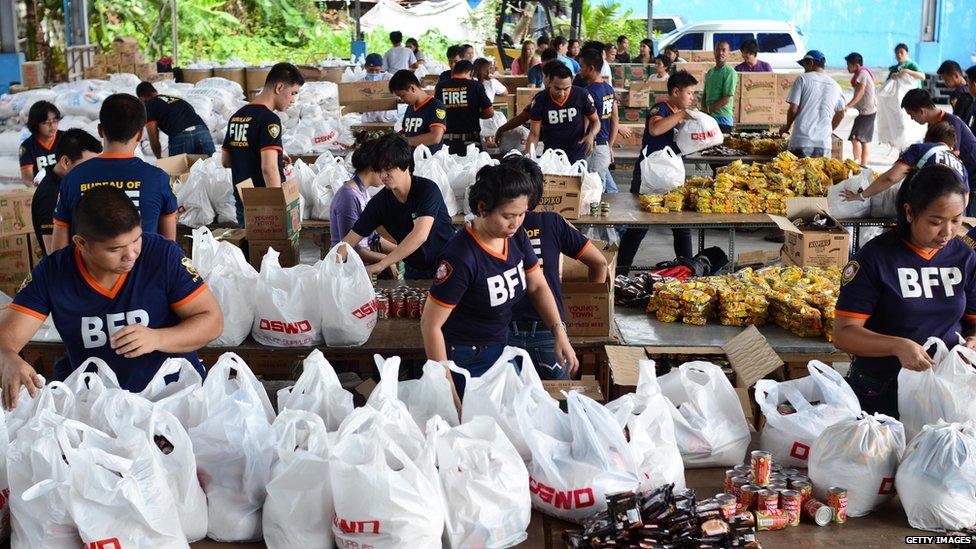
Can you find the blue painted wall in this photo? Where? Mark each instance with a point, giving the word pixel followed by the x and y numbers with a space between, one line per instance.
pixel 838 27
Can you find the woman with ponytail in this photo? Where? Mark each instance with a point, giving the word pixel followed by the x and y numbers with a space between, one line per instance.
pixel 913 282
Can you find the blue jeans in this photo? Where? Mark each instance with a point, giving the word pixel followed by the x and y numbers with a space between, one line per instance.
pixel 195 141
pixel 475 359
pixel 810 152
pixel 540 344
pixel 609 185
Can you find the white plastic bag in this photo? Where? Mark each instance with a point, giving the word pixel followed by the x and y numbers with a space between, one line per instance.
pixel 429 396
pixel 385 486
pixel 180 396
pixel 231 279
pixel 862 455
pixel 577 458
pixel 298 510
pixel 348 300
pixel 318 391
pixel 494 394
pixel 234 447
pixel 485 483
pixel 661 172
pixel 54 397
pixel 885 203
pixel 425 166
pixel 169 439
pixel 790 437
pixel 4 484
pixel 895 127
pixel 946 391
pixel 935 479
pixel 285 316
pixel 844 209
pixel 646 417
pixel 710 425
pixel 195 209
pixel 87 385
pixel 698 133
pixel 591 189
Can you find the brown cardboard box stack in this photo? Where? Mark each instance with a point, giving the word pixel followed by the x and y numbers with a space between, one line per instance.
pixel 16 230
pixel 562 194
pixel 812 247
pixel 271 219
pixel 366 96
pixel 761 98
pixel 32 74
pixel 697 70
pixel 588 305
pixel 124 57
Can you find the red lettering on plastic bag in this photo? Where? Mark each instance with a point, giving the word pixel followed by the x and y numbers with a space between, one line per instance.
pixel 580 498
pixel 109 543
pixel 356 526
pixel 300 327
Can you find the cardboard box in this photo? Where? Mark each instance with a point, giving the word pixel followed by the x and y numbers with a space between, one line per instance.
pixel 161 76
pixel 98 60
pixel 95 73
pixel 112 59
pixel 366 96
pixel 749 354
pixel 32 74
pixel 784 82
pixel 636 134
pixel 708 56
pixel 630 72
pixel 430 80
pixel 313 73
pixel 125 44
pixel 827 247
pixel 587 385
pixel 145 70
pixel 36 251
pixel 178 166
pixel 288 248
pixel 836 147
pixel 270 213
pixel 758 85
pixel 758 111
pixel 638 96
pixel 513 83
pixel 15 262
pixel 634 115
pixel 697 70
pixel 237 237
pixel 15 212
pixel 562 194
pixel 588 305
pixel 523 96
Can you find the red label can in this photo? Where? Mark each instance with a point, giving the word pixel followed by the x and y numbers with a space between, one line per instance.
pixel 804 487
pixel 791 501
pixel 762 467
pixel 768 501
pixel 729 475
pixel 837 501
pixel 729 505
pixel 737 484
pixel 818 512
pixel 413 307
pixel 749 496
pixel 382 306
pixel 766 520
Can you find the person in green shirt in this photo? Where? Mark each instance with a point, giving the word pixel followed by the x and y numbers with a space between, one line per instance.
pixel 905 66
pixel 720 83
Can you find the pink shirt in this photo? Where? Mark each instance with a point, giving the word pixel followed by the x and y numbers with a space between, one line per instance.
pixel 517 67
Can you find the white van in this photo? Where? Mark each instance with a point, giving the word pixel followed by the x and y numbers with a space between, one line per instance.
pixel 781 44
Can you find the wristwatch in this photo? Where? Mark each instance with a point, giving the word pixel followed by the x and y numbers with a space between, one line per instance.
pixel 552 328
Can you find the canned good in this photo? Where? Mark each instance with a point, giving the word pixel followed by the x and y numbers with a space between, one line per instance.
pixel 762 463
pixel 729 505
pixel 766 520
pixel 749 496
pixel 737 484
pixel 729 475
pixel 768 501
pixel 398 306
pixel 789 472
pixel 791 501
pixel 594 209
pixel 382 306
pixel 804 487
pixel 798 478
pixel 777 486
pixel 604 209
pixel 777 477
pixel 816 510
pixel 775 467
pixel 413 307
pixel 785 409
pixel 837 501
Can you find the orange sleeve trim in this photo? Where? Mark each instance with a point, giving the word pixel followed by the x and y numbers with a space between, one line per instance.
pixel 438 124
pixel 271 148
pixel 190 297
pixel 439 302
pixel 59 223
pixel 26 167
pixel 171 214
pixel 583 249
pixel 533 268
pixel 26 311
pixel 150 122
pixel 900 161
pixel 488 109
pixel 850 314
pixel 970 317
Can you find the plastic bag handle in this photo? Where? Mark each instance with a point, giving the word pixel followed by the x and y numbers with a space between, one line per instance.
pixel 389 375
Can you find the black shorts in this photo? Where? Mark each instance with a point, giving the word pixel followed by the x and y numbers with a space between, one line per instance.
pixel 863 129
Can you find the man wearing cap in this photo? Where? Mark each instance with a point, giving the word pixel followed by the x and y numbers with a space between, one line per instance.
pixel 466 103
pixel 816 108
pixel 375 72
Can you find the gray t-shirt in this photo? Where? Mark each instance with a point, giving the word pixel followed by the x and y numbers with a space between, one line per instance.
pixel 818 97
pixel 398 58
pixel 869 101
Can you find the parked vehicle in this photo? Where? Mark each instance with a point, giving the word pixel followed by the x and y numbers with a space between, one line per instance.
pixel 781 44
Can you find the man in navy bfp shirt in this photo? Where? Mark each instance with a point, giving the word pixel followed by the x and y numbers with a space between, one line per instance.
pixel 565 118
pixel 253 146
pixel 410 209
pixel 128 298
pixel 187 132
pixel 121 121
pixel 425 120
pixel 466 103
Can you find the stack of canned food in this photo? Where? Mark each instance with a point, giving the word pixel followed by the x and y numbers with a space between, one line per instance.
pixel 774 498
pixel 400 302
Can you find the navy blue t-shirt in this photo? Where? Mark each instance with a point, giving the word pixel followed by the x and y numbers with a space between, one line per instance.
pixel 903 291
pixel 146 185
pixel 465 100
pixel 37 155
pixel 481 287
pixel 965 144
pixel 942 155
pixel 252 129
pixel 535 76
pixel 171 114
pixel 423 200
pixel 564 124
pixel 420 120
pixel 87 315
pixel 551 236
pixel 603 98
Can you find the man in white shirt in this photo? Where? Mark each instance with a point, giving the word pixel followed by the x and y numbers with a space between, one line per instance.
pixel 399 57
pixel 816 108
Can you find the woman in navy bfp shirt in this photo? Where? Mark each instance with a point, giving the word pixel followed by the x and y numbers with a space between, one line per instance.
pixel 484 270
pixel 914 282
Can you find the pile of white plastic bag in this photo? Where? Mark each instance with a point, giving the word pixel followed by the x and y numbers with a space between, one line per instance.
pixel 944 392
pixel 231 279
pixel 556 162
